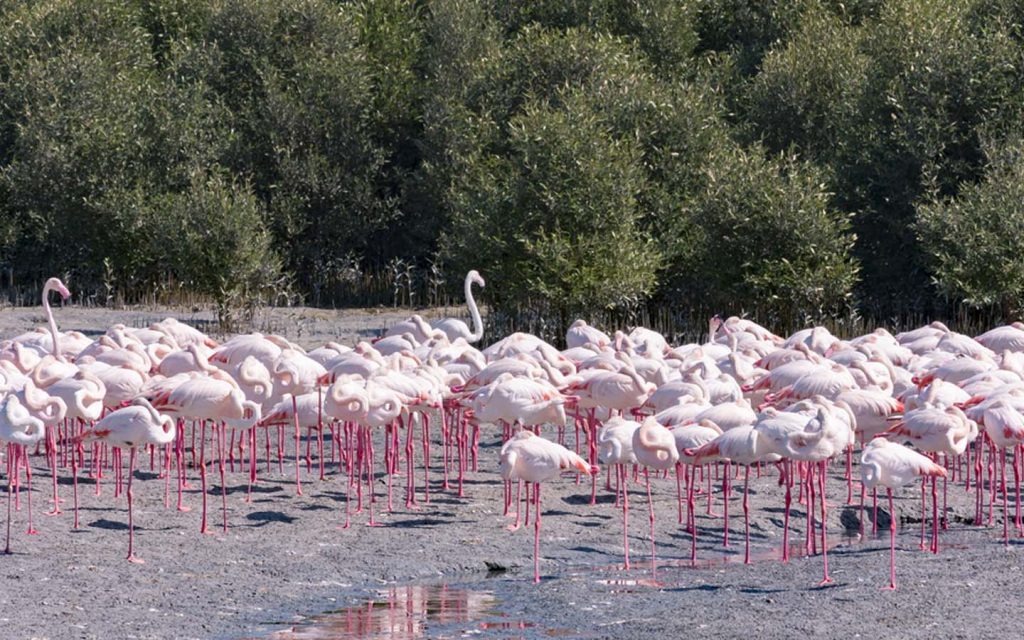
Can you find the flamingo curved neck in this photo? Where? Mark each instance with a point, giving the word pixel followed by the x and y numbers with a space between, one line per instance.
pixel 478 325
pixel 49 319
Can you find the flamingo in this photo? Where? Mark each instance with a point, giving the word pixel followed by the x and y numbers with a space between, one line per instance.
pixel 454 328
pixel 742 445
pixel 54 284
pixel 129 428
pixel 689 438
pixel 20 430
pixel 615 440
pixel 892 465
pixel 530 458
pixel 219 400
pixel 655 448
pixel 581 334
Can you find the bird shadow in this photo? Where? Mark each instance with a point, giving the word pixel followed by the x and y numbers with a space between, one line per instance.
pixel 760 590
pixel 114 525
pixel 263 518
pixel 316 507
pixel 584 499
pixel 699 587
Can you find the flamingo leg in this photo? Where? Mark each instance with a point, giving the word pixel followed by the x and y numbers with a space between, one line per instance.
pixel 298 451
pixel 10 494
pixel 74 479
pixel 202 475
pixel 51 442
pixel 788 470
pixel 131 521
pixel 1002 487
pixel 536 536
pixel 725 507
pixel 892 543
pixel 824 521
pixel 746 514
pixel 650 505
pixel 623 477
pixel 28 480
pixel 220 433
pixel 692 517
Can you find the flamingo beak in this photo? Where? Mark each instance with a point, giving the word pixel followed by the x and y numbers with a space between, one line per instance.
pixel 64 293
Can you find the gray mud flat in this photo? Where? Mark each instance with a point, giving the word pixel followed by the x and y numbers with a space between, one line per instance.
pixel 285 559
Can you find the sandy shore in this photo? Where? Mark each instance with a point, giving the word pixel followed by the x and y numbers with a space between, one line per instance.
pixel 286 555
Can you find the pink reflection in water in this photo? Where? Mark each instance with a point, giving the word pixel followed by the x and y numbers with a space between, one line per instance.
pixel 398 613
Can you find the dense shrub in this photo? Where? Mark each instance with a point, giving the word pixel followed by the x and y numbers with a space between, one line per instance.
pixel 791 158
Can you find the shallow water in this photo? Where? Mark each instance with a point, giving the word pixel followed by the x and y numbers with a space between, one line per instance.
pixel 416 611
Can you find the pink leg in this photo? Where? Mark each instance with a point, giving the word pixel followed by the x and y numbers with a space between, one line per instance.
pixel 221 434
pixel 131 520
pixel 202 476
pixel 51 438
pixel 788 470
pixel 10 492
pixel 679 490
pixel 298 436
pixel 650 506
pixel 892 543
pixel 692 515
pixel 28 481
pixel 1002 488
pixel 623 477
pixel 824 522
pixel 746 514
pixel 536 536
pixel 74 478
pixel 725 506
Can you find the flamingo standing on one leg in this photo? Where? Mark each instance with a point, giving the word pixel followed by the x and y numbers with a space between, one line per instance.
pixel 655 448
pixel 20 430
pixel 129 428
pixel 530 458
pixel 615 440
pixel 893 465
pixel 744 446
pixel 690 438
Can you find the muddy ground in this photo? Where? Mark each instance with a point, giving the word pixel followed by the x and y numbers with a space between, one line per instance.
pixel 285 557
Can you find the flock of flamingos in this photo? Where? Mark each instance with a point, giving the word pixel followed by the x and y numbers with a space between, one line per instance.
pixel 699 413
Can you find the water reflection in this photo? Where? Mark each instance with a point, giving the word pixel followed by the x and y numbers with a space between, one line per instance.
pixel 400 613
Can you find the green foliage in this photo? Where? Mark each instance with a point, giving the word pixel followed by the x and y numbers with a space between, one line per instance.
pixel 213 236
pixel 553 218
pixel 976 240
pixel 808 95
pixel 768 239
pixel 787 157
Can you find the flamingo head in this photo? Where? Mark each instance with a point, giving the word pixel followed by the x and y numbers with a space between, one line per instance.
pixel 54 284
pixel 474 276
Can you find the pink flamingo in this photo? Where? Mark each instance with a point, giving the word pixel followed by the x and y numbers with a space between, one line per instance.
pixel 655 448
pixel 893 465
pixel 20 430
pixel 129 428
pixel 531 458
pixel 454 328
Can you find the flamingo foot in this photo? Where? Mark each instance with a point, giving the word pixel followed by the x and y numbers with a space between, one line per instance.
pixel 826 581
pixel 184 508
pixel 32 532
pixel 55 512
pixel 513 527
pixel 890 587
pixel 136 560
